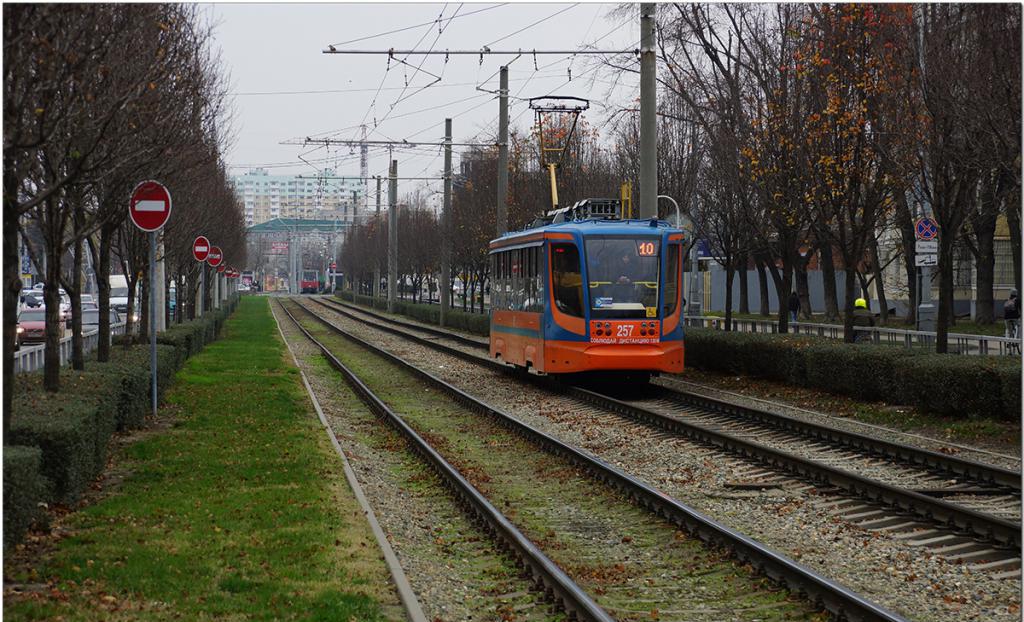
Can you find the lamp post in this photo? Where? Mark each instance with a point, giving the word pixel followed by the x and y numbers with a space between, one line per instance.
pixel 693 287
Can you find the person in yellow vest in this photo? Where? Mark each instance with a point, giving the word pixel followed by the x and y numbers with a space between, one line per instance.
pixel 862 317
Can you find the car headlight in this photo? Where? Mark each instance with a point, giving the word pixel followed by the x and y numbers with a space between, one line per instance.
pixel 20 330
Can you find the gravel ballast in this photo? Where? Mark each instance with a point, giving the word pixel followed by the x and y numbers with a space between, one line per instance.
pixel 909 580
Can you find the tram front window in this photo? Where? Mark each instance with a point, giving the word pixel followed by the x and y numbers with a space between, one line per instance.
pixel 623 275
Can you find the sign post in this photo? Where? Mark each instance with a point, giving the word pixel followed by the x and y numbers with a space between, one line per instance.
pixel 926 248
pixel 149 208
pixel 215 258
pixel 200 250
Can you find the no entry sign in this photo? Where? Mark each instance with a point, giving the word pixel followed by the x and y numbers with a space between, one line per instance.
pixel 221 268
pixel 201 248
pixel 150 206
pixel 215 257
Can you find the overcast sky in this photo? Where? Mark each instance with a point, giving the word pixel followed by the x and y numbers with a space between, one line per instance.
pixel 276 48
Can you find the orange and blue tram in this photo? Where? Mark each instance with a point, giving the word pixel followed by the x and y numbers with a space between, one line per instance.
pixel 585 291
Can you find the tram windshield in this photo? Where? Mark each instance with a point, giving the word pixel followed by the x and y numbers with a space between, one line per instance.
pixel 623 276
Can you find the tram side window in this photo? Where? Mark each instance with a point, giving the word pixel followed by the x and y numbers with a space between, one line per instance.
pixel 671 291
pixel 531 283
pixel 566 280
pixel 538 279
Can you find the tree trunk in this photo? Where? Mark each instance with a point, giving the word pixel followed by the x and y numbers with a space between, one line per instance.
pixel 906 224
pixel 803 290
pixel 1013 220
pixel 144 306
pixel 75 293
pixel 883 303
pixel 849 287
pixel 983 226
pixel 103 285
pixel 54 322
pixel 986 265
pixel 12 288
pixel 730 271
pixel 744 285
pixel 828 278
pixel 762 284
pixel 783 285
pixel 945 306
pixel 129 327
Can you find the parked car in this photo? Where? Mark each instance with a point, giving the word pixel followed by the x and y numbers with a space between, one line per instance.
pixel 90 306
pixel 31 298
pixel 91 318
pixel 32 322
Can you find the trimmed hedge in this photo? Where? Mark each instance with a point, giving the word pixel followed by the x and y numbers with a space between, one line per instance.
pixel 475 323
pixel 68 443
pixel 965 386
pixel 62 437
pixel 25 488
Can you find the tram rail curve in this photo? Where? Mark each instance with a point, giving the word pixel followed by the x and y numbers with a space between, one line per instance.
pixel 838 600
pixel 1001 532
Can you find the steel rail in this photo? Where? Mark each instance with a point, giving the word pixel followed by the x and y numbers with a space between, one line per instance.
pixel 917 456
pixel 574 599
pixel 993 528
pixel 840 601
pixel 977 471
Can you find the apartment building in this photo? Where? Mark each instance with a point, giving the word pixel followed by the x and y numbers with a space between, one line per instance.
pixel 308 197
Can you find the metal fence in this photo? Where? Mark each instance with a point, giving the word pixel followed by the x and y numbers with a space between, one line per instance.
pixel 959 343
pixel 30 358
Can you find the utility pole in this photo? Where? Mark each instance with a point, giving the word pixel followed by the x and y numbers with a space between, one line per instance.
pixel 392 236
pixel 375 290
pixel 501 217
pixel 446 215
pixel 364 170
pixel 648 115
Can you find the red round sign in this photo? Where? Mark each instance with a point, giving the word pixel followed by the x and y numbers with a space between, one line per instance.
pixel 221 268
pixel 214 257
pixel 201 248
pixel 150 205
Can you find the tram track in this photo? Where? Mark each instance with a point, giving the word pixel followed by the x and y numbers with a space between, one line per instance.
pixel 967 531
pixel 839 601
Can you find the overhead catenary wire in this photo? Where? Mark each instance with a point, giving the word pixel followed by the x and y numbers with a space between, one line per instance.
pixel 415 26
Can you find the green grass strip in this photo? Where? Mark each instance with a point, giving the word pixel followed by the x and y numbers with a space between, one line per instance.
pixel 239 511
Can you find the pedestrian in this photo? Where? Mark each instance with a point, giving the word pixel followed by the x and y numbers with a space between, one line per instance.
pixel 1011 318
pixel 794 306
pixel 862 317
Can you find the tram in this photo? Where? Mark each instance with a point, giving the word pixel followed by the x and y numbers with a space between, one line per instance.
pixel 584 291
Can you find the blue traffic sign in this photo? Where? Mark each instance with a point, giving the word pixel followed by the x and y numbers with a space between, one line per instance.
pixel 926 229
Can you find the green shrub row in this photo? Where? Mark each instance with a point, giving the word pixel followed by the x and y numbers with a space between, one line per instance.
pixel 962 386
pixel 475 323
pixel 25 490
pixel 61 438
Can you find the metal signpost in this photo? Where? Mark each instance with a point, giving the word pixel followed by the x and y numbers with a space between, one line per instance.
pixel 215 258
pixel 200 250
pixel 926 249
pixel 149 208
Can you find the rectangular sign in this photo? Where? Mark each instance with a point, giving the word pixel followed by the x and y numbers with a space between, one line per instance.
pixel 925 247
pixel 150 206
pixel 926 260
pixel 278 248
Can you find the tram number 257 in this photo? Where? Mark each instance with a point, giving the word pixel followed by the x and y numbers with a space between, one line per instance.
pixel 625 330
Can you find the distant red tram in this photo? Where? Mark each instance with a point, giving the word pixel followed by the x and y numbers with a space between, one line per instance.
pixel 585 291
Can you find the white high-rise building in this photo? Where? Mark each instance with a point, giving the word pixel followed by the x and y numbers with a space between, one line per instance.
pixel 266 196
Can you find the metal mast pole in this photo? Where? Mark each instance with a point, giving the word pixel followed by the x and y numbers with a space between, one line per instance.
pixel 152 317
pixel 648 118
pixel 446 240
pixel 375 290
pixel 501 217
pixel 392 236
